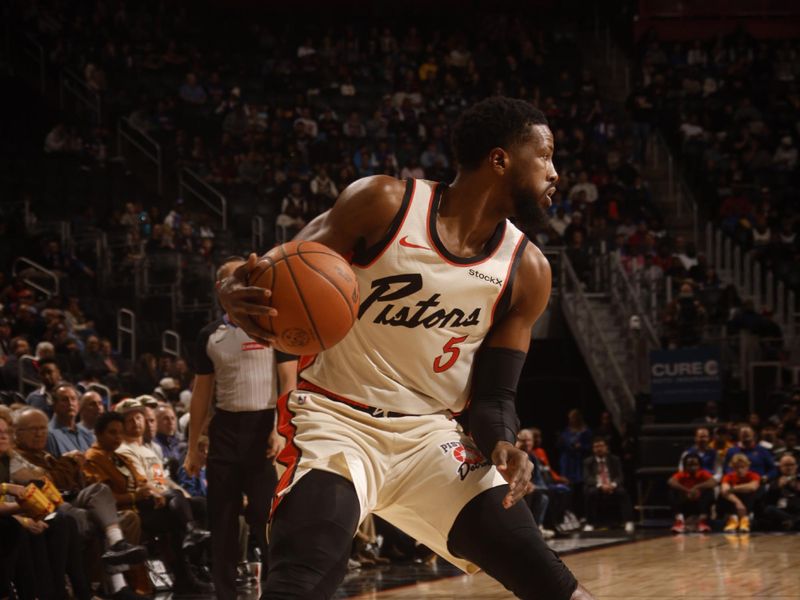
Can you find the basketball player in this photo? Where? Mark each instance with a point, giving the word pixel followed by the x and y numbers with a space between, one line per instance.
pixel 450 291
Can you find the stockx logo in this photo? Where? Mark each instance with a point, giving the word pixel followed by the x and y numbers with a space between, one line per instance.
pixel 489 278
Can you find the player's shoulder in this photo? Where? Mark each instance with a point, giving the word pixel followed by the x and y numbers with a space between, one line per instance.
pixel 368 206
pixel 378 190
pixel 534 268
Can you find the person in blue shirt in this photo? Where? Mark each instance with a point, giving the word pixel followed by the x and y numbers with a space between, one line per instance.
pixel 42 398
pixel 173 447
pixel 64 434
pixel 703 450
pixel 574 445
pixel 761 460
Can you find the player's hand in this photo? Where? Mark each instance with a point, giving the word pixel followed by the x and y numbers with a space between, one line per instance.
pixel 241 302
pixel 194 461
pixel 515 467
pixel 275 445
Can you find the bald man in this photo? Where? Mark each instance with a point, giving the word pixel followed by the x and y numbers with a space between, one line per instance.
pixel 91 407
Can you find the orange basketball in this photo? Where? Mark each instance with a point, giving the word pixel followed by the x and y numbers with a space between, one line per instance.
pixel 315 293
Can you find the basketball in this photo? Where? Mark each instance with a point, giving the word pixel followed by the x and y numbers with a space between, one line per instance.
pixel 315 293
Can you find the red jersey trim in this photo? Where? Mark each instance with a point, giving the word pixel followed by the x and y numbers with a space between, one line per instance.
pixel 289 457
pixel 310 387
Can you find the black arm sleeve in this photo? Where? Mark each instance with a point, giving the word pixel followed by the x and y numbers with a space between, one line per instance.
pixel 492 413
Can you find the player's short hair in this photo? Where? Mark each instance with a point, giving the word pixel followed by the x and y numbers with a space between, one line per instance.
pixel 497 122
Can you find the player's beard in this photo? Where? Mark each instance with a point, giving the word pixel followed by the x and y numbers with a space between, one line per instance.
pixel 527 210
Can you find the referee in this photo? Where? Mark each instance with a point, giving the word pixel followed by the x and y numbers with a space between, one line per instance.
pixel 243 376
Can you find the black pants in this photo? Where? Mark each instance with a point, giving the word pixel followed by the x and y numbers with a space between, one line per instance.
pixel 37 564
pixel 170 520
pixel 312 531
pixel 237 465
pixel 781 519
pixel 724 507
pixel 559 502
pixel 601 506
pixel 681 503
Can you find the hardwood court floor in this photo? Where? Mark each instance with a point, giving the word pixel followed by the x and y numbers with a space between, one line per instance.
pixel 756 567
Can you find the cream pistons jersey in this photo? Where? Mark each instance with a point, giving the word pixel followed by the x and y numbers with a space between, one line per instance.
pixel 424 313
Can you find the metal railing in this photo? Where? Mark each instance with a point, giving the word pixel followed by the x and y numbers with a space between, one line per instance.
pixel 149 148
pixel 751 281
pixel 70 83
pixel 281 234
pixel 22 371
pixel 596 350
pixel 257 234
pixel 96 241
pixel 171 343
pixel 191 184
pixel 678 192
pixel 126 325
pixel 101 389
pixel 36 276
pixel 626 299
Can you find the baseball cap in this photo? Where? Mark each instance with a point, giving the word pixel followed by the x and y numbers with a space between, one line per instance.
pixel 168 383
pixel 147 400
pixel 129 404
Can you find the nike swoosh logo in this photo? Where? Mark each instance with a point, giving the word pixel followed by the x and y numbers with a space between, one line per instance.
pixel 404 242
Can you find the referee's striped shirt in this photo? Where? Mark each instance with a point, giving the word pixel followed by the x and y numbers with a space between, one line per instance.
pixel 245 377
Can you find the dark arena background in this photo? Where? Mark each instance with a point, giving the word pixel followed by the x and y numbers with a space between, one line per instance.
pixel 143 143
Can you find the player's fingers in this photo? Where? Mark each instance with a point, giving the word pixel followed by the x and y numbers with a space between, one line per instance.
pixel 250 293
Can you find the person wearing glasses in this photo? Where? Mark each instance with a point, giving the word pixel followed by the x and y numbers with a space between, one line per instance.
pixel 782 500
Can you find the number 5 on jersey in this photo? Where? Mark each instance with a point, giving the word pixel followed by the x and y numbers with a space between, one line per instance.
pixel 450 348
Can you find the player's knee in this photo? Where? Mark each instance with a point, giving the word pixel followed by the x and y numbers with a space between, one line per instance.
pixel 507 545
pixel 322 507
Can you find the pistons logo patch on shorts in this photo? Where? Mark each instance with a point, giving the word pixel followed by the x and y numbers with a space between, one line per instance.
pixel 468 457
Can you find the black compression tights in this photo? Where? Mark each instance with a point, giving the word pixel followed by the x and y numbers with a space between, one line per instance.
pixel 507 545
pixel 310 538
pixel 313 528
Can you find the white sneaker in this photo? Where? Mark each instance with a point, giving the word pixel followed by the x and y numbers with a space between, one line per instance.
pixel 587 528
pixel 353 564
pixel 629 527
pixel 547 533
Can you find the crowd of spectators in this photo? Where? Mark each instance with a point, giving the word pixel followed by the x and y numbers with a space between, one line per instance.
pixel 106 435
pixel 281 122
pixel 729 106
pixel 735 472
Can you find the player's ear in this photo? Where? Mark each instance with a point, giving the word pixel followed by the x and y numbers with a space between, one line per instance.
pixel 499 160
